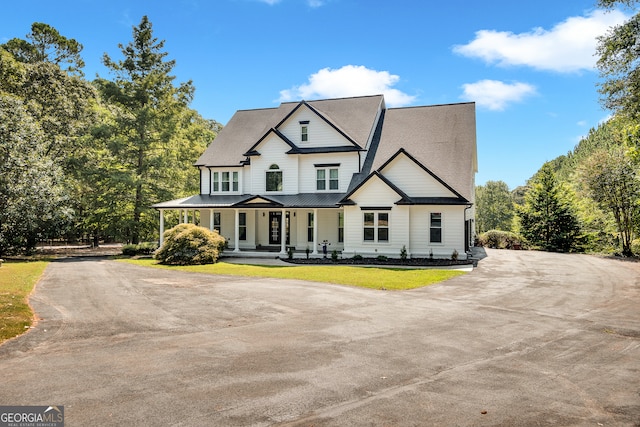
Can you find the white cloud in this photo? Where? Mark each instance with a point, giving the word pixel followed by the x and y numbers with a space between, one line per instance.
pixel 350 80
pixel 570 46
pixel 495 95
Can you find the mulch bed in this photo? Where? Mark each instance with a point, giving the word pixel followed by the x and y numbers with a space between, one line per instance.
pixel 417 262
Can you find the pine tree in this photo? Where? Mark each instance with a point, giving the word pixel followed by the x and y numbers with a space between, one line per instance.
pixel 547 219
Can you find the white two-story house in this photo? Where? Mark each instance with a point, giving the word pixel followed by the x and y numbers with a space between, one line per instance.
pixel 349 173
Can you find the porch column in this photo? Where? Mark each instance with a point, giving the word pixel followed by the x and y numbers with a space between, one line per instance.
pixel 283 237
pixel 211 219
pixel 186 216
pixel 237 234
pixel 161 225
pixel 315 232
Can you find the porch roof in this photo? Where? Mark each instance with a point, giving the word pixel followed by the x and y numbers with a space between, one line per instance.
pixel 205 201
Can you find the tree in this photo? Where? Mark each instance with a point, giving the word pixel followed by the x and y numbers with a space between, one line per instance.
pixel 149 133
pixel 547 219
pixel 47 45
pixel 613 182
pixel 27 210
pixel 494 207
pixel 619 63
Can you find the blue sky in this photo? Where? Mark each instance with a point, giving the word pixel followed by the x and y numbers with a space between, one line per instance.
pixel 529 66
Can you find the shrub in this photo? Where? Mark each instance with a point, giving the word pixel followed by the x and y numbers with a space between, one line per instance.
pixel 145 248
pixel 189 244
pixel 357 257
pixel 382 258
pixel 454 255
pixel 498 239
pixel 403 253
pixel 334 255
pixel 635 247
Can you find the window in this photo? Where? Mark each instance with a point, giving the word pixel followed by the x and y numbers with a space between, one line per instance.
pixel 310 227
pixel 217 222
pixel 216 182
pixel 304 133
pixel 225 181
pixel 340 227
pixel 242 226
pixel 321 183
pixel 324 175
pixel 435 228
pixel 375 227
pixel 274 179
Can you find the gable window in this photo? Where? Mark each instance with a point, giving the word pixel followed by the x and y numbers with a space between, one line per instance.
pixel 376 227
pixel 274 178
pixel 327 178
pixel 435 227
pixel 304 131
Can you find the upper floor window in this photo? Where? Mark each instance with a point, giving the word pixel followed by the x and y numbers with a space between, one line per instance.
pixel 274 178
pixel 304 131
pixel 224 181
pixel 327 179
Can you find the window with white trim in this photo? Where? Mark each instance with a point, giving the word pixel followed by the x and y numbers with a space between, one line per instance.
pixel 242 226
pixel 435 227
pixel 327 179
pixel 340 227
pixel 217 222
pixel 304 131
pixel 224 181
pixel 274 178
pixel 310 226
pixel 376 227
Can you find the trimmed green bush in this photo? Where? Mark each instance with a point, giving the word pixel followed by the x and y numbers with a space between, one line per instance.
pixel 635 247
pixel 145 248
pixel 189 244
pixel 498 239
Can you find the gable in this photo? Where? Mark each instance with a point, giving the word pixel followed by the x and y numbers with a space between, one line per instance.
pixel 414 179
pixel 374 191
pixel 321 132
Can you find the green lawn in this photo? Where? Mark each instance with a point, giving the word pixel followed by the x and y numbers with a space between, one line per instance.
pixel 17 280
pixel 367 277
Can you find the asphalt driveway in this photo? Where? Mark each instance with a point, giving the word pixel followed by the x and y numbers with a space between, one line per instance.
pixel 527 339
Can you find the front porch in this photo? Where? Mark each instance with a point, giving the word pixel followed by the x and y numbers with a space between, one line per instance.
pixel 267 232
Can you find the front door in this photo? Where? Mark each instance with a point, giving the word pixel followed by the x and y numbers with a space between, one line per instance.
pixel 275 228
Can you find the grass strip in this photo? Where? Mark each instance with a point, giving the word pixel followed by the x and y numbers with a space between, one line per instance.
pixel 17 280
pixel 366 277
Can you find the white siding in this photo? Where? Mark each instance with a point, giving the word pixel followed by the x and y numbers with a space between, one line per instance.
pixel 348 166
pixel 414 180
pixel 321 134
pixel 204 181
pixel 452 231
pixel 273 151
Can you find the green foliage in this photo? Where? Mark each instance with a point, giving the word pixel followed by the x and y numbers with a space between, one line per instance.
pixel 382 258
pixel 189 244
pixel 494 207
pixel 144 248
pixel 635 247
pixel 498 239
pixel 611 178
pixel 454 255
pixel 403 253
pixel 547 218
pixel 334 255
pixel 357 257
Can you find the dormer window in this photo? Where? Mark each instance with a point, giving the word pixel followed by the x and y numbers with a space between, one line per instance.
pixel 304 131
pixel 274 178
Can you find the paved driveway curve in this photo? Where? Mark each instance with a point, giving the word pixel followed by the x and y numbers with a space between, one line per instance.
pixel 528 338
